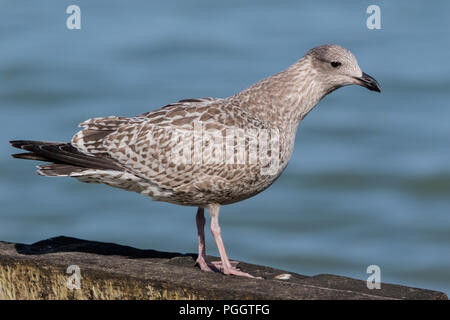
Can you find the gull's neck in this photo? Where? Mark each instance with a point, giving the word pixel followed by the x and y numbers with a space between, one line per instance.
pixel 285 98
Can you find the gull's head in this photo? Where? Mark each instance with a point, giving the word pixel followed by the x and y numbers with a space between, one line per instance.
pixel 336 67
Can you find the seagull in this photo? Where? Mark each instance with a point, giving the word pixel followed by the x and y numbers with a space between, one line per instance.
pixel 205 152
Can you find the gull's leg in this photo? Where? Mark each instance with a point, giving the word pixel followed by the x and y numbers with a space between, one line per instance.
pixel 225 265
pixel 201 259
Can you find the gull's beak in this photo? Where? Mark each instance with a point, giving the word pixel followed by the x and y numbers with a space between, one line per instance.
pixel 368 82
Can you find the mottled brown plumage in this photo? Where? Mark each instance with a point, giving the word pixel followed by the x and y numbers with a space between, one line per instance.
pixel 204 152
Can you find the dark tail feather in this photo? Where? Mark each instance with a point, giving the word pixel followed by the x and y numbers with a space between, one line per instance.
pixel 58 169
pixel 65 157
pixel 29 156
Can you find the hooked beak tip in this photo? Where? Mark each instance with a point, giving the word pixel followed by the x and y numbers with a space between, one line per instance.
pixel 369 82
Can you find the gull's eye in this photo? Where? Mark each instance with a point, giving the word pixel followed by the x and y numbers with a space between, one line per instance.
pixel 335 64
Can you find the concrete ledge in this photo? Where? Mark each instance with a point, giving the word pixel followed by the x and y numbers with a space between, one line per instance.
pixel 111 271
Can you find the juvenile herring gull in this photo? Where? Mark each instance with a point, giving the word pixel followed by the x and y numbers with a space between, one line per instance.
pixel 204 152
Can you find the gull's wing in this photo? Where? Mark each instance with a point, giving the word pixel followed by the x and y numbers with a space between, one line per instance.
pixel 156 147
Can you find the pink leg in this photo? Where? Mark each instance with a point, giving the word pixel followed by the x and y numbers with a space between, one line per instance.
pixel 201 259
pixel 226 266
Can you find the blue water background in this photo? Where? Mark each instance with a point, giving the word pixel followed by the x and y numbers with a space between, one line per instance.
pixel 369 180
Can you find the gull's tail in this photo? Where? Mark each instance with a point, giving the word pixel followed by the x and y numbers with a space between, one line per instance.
pixel 65 159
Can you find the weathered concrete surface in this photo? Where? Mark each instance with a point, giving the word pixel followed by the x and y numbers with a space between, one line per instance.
pixel 111 271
